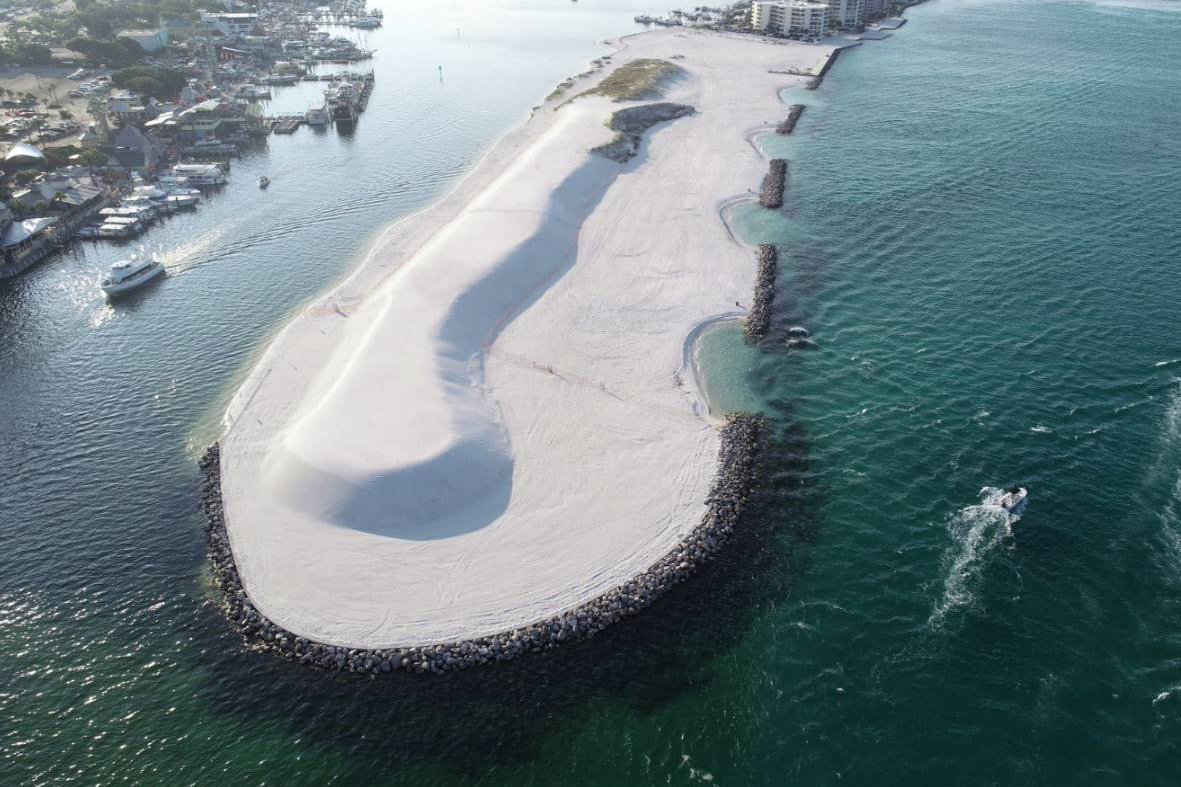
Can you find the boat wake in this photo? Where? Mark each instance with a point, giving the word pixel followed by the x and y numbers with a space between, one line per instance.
pixel 976 531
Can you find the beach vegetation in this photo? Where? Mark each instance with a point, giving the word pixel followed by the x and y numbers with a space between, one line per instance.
pixel 643 79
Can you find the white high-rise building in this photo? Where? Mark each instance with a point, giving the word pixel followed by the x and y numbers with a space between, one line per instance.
pixel 790 17
pixel 845 13
pixel 873 9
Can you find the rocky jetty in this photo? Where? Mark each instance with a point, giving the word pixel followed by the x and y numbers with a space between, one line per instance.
pixel 774 184
pixel 631 123
pixel 758 319
pixel 789 123
pixel 741 439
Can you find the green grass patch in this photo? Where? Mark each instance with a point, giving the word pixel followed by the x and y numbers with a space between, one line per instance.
pixel 639 80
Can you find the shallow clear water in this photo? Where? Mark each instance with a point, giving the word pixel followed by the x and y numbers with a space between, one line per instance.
pixel 980 235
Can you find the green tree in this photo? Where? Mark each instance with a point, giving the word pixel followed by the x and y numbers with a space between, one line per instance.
pixel 92 158
pixel 170 82
pixel 146 86
pixel 32 54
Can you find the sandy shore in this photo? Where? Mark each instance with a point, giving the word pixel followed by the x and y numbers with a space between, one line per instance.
pixel 37 80
pixel 493 419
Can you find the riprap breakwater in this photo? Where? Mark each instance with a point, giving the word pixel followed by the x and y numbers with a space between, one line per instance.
pixel 758 319
pixel 789 123
pixel 774 184
pixel 742 437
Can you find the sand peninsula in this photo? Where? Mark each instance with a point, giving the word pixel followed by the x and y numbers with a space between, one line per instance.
pixel 492 420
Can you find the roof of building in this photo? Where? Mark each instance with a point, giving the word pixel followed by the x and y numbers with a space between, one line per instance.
pixel 21 231
pixel 23 151
pixel 209 105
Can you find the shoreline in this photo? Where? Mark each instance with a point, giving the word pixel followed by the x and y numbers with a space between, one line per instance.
pixel 510 356
pixel 741 438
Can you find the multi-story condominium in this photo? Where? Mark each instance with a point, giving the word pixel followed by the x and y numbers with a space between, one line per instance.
pixel 790 17
pixel 874 9
pixel 845 13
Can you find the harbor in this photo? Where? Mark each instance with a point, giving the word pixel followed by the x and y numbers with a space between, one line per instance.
pixel 145 159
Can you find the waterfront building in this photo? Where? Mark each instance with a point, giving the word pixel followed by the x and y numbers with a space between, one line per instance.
pixel 66 196
pixel 24 243
pixel 845 13
pixel 149 40
pixel 230 24
pixel 127 107
pixel 790 17
pixel 130 148
pixel 873 9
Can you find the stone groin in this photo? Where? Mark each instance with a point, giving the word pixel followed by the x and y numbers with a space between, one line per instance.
pixel 742 437
pixel 789 123
pixel 774 184
pixel 758 319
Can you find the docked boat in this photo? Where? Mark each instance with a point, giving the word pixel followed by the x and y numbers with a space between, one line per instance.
pixel 127 275
pixel 120 227
pixel 344 112
pixel 254 93
pixel 263 181
pixel 201 174
pixel 151 192
pixel 178 201
pixel 1014 500
pixel 318 114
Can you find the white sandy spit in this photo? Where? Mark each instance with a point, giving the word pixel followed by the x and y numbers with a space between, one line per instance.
pixel 491 421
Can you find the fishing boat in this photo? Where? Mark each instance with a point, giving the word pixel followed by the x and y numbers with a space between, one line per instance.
pixel 127 275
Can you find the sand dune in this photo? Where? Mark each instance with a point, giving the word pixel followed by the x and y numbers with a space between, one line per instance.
pixel 490 421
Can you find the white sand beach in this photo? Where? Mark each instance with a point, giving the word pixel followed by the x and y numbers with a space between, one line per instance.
pixel 492 420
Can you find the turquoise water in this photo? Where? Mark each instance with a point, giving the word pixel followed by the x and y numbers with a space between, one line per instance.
pixel 980 235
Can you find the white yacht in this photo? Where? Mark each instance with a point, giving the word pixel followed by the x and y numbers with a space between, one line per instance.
pixel 201 174
pixel 127 275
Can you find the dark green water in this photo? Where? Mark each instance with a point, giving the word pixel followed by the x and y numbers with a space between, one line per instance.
pixel 981 235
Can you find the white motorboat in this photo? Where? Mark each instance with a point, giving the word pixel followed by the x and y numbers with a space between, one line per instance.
pixel 127 275
pixel 200 174
pixel 177 201
pixel 151 192
pixel 263 181
pixel 1014 500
